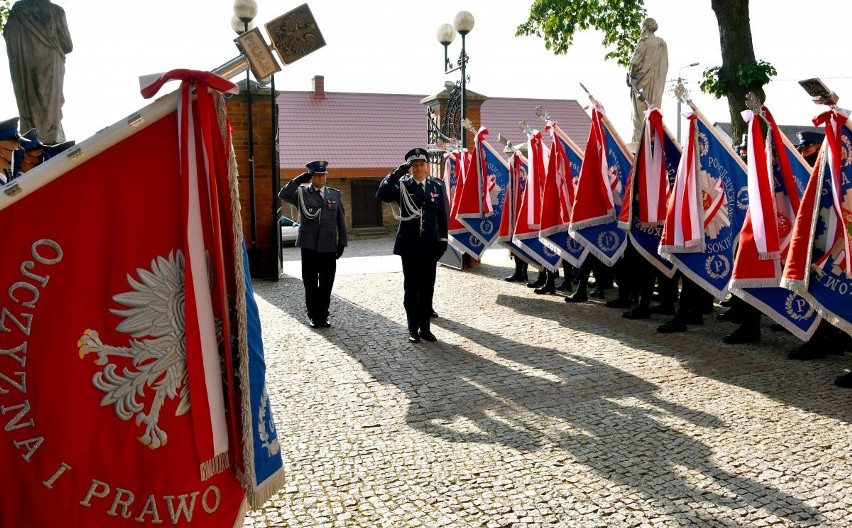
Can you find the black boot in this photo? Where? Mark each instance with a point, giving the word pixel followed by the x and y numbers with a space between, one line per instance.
pixel 567 274
pixel 549 285
pixel 579 296
pixel 564 285
pixel 520 274
pixel 539 281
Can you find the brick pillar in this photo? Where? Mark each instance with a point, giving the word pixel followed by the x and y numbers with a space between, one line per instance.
pixel 264 245
pixel 473 110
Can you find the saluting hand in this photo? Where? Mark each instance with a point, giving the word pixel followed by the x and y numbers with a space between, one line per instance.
pixel 402 170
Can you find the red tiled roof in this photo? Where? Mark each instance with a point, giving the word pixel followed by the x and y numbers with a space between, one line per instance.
pixel 352 130
pixel 502 115
pixel 368 130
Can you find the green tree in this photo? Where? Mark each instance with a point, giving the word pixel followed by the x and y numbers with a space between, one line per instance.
pixel 4 12
pixel 557 21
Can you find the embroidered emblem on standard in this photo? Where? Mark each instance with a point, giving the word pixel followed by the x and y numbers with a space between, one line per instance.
pixel 155 352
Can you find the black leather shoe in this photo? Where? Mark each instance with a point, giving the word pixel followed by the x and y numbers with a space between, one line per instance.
pixel 516 277
pixel 637 313
pixel 577 298
pixel 538 283
pixel 433 314
pixel 312 322
pixel 742 335
pixel 546 289
pixel 844 381
pixel 807 351
pixel 413 337
pixel 325 324
pixel 671 327
pixel 618 302
pixel 564 285
pixel 428 336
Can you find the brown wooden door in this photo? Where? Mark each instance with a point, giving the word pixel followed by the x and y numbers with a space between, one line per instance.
pixel 366 209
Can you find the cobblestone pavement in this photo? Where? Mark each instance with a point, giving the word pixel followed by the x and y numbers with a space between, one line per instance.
pixel 531 412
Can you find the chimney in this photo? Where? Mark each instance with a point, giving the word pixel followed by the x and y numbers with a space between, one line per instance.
pixel 319 86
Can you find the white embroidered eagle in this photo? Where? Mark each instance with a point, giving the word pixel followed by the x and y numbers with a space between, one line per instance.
pixel 154 318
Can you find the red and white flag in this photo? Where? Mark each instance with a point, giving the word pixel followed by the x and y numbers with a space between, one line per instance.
pixel 683 229
pixel 817 265
pixel 836 157
pixel 558 194
pixel 460 161
pixel 476 194
pixel 594 201
pixel 512 206
pixel 787 201
pixel 514 195
pixel 761 204
pixel 529 216
pixel 117 316
pixel 528 224
pixel 649 172
pixel 773 190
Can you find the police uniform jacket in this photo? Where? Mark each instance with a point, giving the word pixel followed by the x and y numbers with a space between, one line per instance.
pixel 323 229
pixel 418 236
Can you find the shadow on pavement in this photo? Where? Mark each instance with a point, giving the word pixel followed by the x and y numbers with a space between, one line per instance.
pixel 762 367
pixel 490 389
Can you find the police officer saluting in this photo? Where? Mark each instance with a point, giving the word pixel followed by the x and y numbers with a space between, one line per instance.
pixel 322 236
pixel 421 238
pixel 10 143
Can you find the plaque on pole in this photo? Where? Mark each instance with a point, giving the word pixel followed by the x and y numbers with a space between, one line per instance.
pixel 295 34
pixel 258 53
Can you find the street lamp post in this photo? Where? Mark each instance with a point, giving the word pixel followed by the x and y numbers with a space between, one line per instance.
pixel 679 81
pixel 462 24
pixel 245 11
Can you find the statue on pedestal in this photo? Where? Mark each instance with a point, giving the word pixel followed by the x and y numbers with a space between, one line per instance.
pixel 37 40
pixel 647 72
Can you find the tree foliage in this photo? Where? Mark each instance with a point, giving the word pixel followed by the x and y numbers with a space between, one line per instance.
pixel 748 76
pixel 558 21
pixel 5 6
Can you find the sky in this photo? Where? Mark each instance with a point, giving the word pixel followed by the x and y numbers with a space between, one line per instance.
pixel 390 46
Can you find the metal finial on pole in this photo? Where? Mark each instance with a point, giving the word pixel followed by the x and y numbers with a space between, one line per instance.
pixel 753 103
pixel 542 112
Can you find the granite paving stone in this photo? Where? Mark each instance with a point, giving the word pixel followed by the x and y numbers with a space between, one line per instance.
pixel 533 412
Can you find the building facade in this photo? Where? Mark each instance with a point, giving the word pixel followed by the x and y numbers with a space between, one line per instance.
pixel 363 136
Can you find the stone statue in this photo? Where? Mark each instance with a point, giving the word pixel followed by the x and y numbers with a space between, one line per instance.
pixel 37 40
pixel 648 69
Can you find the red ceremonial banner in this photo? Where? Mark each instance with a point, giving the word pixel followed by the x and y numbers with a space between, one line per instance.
pixel 94 395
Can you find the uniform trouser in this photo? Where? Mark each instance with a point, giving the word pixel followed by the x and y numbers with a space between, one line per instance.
pixel 419 285
pixel 318 271
pixel 692 299
pixel 637 276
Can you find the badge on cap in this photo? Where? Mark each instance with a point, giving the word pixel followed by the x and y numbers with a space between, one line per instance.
pixel 416 154
pixel 317 166
pixel 809 138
